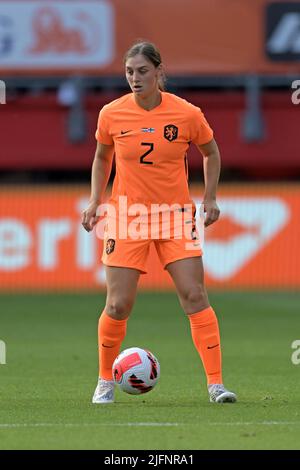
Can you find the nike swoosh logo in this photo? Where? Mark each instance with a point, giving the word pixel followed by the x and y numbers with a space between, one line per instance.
pixel 106 346
pixel 125 132
pixel 211 347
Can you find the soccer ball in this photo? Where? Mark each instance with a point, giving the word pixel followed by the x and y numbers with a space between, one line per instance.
pixel 136 371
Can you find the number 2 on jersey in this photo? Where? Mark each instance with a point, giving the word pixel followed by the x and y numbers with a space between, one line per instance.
pixel 142 158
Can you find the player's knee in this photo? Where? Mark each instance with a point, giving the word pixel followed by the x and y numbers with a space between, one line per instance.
pixel 119 308
pixel 194 295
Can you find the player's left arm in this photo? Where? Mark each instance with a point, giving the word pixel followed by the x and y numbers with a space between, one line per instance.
pixel 211 168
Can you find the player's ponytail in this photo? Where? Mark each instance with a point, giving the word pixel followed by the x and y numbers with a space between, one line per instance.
pixel 150 51
pixel 162 82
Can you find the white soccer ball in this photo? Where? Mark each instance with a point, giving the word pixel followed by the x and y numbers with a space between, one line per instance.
pixel 136 371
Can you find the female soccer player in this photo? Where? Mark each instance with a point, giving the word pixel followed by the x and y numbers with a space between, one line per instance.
pixel 149 131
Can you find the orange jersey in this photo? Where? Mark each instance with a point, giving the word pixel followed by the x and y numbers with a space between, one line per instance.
pixel 151 146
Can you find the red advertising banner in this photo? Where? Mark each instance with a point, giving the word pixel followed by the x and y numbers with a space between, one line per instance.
pixel 43 245
pixel 267 158
pixel 195 37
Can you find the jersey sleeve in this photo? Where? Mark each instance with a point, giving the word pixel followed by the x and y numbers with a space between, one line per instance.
pixel 103 135
pixel 201 132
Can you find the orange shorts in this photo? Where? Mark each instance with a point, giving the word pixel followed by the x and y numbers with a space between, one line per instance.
pixel 133 253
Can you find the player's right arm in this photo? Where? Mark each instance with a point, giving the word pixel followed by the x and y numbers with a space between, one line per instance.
pixel 101 170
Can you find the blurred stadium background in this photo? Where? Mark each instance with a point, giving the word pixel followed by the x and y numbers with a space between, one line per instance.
pixel 61 61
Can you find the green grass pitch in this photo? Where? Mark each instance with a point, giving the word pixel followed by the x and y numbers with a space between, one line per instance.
pixel 51 371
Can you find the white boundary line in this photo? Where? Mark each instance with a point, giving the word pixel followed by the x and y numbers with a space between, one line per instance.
pixel 49 425
pixel 46 425
pixel 258 423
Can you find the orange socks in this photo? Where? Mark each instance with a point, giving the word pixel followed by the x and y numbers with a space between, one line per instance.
pixel 110 336
pixel 205 334
pixel 206 338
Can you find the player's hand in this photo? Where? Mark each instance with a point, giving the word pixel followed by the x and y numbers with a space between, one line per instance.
pixel 89 217
pixel 211 210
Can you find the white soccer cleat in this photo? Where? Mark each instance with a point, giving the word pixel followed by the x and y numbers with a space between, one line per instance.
pixel 219 394
pixel 105 392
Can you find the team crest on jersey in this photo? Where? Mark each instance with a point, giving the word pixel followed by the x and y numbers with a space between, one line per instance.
pixel 170 132
pixel 110 246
